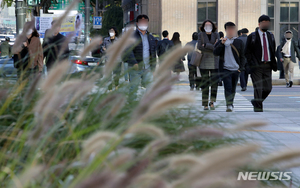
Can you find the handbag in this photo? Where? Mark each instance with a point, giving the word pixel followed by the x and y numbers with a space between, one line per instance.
pixel 197 55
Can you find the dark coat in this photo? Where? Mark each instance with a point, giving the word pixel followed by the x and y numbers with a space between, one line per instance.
pixel 52 47
pixel 162 45
pixel 189 56
pixel 243 37
pixel 209 61
pixel 106 43
pixel 294 49
pixel 254 50
pixel 219 50
pixel 135 54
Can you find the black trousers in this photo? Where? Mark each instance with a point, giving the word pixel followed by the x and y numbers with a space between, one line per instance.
pixel 194 80
pixel 262 82
pixel 209 77
pixel 244 78
pixel 230 80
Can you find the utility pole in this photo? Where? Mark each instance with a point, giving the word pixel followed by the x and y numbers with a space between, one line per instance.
pixel 97 8
pixel 87 22
pixel 20 15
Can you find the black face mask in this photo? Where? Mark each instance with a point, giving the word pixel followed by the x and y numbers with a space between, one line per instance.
pixel 265 29
pixel 288 38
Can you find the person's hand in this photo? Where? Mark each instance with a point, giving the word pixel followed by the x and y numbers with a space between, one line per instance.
pixel 224 40
pixel 104 48
pixel 281 59
pixel 136 67
pixel 239 71
pixel 203 45
pixel 25 44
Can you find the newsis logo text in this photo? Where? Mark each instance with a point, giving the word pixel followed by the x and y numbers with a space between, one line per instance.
pixel 264 176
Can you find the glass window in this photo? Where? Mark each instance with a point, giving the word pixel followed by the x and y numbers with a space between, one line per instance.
pixel 201 12
pixel 294 11
pixel 271 1
pixel 284 12
pixel 212 11
pixel 295 28
pixel 271 11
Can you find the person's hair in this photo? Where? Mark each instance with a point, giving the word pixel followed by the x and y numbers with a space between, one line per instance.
pixel 214 28
pixel 176 38
pixel 141 16
pixel 264 18
pixel 221 34
pixel 239 32
pixel 229 24
pixel 289 31
pixel 165 33
pixel 195 36
pixel 245 31
pixel 115 29
pixel 35 33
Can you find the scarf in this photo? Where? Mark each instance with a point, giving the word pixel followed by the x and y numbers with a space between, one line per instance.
pixel 286 48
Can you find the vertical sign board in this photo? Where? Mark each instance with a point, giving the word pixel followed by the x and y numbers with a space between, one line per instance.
pixel 97 22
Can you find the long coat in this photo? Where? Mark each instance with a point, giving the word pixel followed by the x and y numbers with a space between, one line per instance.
pixel 209 60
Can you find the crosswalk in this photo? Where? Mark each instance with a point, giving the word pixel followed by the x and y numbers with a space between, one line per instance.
pixel 241 104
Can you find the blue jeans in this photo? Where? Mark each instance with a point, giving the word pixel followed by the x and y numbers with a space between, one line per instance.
pixel 137 77
pixel 230 80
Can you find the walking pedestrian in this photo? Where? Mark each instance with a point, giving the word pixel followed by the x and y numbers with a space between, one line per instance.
pixel 179 66
pixel 193 77
pixel 53 46
pixel 287 50
pixel 142 57
pixel 210 63
pixel 164 45
pixel 244 75
pixel 232 57
pixel 260 54
pixel 107 42
pixel 5 48
pixel 30 55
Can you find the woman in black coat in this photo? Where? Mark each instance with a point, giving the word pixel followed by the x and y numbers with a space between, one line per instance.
pixel 179 66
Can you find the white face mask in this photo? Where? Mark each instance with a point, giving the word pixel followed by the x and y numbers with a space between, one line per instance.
pixel 208 29
pixel 111 34
pixel 143 27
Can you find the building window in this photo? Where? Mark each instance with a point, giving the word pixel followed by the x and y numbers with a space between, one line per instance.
pixel 271 8
pixel 289 18
pixel 207 10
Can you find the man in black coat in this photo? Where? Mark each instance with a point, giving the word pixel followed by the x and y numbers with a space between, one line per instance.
pixel 232 62
pixel 244 74
pixel 164 45
pixel 287 50
pixel 53 46
pixel 142 57
pixel 260 54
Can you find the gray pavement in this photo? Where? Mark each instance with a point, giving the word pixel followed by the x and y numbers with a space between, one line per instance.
pixel 281 111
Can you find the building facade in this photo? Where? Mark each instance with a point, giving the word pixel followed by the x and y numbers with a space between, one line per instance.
pixel 185 16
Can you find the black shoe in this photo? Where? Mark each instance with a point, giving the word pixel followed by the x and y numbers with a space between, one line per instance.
pixel 255 108
pixel 287 84
pixel 291 83
pixel 244 89
pixel 212 106
pixel 206 108
pixel 220 83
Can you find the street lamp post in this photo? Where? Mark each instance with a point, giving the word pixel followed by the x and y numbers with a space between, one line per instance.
pixel 87 22
pixel 20 15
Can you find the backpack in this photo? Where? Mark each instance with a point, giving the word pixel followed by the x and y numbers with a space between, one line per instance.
pixel 21 59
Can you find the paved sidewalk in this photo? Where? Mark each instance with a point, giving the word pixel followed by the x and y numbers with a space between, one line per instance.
pixel 282 113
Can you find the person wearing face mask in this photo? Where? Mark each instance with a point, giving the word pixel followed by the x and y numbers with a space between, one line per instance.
pixel 232 62
pixel 30 54
pixel 141 58
pixel 113 36
pixel 260 54
pixel 288 48
pixel 53 45
pixel 209 64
